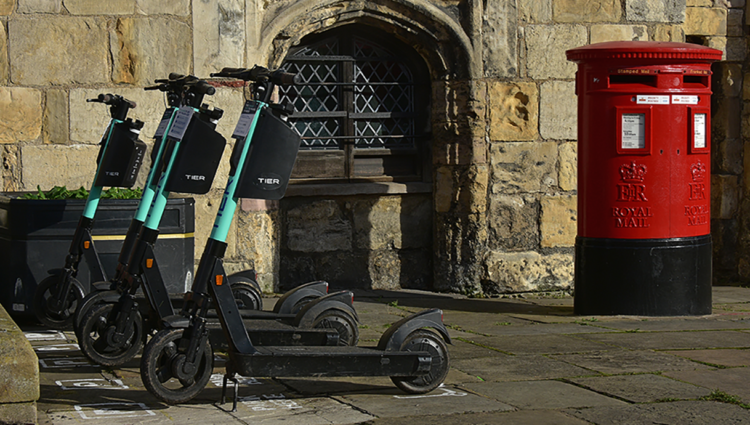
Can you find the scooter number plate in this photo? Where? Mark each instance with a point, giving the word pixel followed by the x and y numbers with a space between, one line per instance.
pixel 163 124
pixel 246 120
pixel 180 124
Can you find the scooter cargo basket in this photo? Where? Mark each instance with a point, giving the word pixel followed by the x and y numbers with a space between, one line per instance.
pixel 197 159
pixel 269 163
pixel 120 162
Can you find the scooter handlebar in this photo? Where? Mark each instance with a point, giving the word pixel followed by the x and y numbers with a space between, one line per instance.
pixel 259 74
pixel 113 100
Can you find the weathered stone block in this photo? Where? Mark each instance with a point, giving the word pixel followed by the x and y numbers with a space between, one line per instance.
pixel 669 33
pixel 725 196
pixel 20 381
pixel 4 65
pixel 706 21
pixel 18 413
pixel 258 242
pixel 718 43
pixel 575 11
pixel 218 35
pixel 20 114
pixel 669 11
pixel 730 76
pixel 558 224
pixel 568 166
pixel 514 111
pixel 725 121
pixel 602 33
pixel 735 22
pixel 141 53
pixel 100 7
pixel 523 166
pixel 699 3
pixel 513 222
pixel 444 193
pixel 528 271
pixel 558 110
pixel 727 156
pixel 6 7
pixel 499 38
pixel 535 11
pixel 546 46
pixel 318 227
pixel 451 100
pixel 163 7
pixel 58 51
pixel 39 6
pixel 55 128
pixel 392 222
pixel 88 120
pixel 56 165
pixel 736 49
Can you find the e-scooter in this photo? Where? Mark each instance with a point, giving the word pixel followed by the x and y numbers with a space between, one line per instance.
pixel 120 157
pixel 178 361
pixel 112 333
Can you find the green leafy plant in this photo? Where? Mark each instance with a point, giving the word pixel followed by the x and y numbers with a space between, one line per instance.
pixel 62 192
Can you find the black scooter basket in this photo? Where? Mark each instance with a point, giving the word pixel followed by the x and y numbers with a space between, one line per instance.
pixel 269 163
pixel 197 159
pixel 120 162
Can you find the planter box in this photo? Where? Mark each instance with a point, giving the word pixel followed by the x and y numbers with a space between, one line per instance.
pixel 35 237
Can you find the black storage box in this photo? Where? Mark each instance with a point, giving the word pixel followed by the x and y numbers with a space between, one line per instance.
pixel 35 237
pixel 120 162
pixel 197 159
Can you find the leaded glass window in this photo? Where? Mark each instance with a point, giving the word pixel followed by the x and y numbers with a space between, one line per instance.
pixel 361 110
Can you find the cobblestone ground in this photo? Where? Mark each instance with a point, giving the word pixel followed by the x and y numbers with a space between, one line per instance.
pixel 514 361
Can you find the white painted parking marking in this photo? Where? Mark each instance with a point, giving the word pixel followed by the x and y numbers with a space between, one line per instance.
pixel 102 411
pixel 45 336
pixel 66 362
pixel 218 380
pixel 268 402
pixel 79 384
pixel 56 347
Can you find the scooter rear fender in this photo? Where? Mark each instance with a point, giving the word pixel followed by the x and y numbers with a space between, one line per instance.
pixel 286 303
pixel 395 336
pixel 343 300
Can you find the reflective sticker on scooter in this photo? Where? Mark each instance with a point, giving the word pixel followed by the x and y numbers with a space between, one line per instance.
pixel 163 124
pixel 180 124
pixel 246 120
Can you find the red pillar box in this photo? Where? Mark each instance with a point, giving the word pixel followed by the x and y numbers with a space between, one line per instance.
pixel 644 237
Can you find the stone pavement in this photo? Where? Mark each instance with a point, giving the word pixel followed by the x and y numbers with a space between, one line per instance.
pixel 514 361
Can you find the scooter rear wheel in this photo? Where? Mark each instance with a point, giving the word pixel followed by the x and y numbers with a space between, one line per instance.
pixel 97 338
pixel 342 323
pixel 424 340
pixel 246 293
pixel 158 363
pixel 44 296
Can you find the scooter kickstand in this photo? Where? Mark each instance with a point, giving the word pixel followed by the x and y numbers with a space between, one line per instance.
pixel 232 377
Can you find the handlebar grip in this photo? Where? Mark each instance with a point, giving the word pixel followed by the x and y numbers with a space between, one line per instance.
pixel 176 76
pixel 202 87
pixel 285 78
pixel 152 88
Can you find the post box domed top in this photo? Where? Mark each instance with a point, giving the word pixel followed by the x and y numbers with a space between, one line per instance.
pixel 656 50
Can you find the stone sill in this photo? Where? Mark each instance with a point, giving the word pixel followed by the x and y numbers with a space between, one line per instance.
pixel 349 189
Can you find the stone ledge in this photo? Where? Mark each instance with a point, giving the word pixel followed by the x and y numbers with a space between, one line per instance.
pixel 348 189
pixel 19 379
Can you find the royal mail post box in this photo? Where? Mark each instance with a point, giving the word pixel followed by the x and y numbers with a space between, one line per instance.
pixel 644 239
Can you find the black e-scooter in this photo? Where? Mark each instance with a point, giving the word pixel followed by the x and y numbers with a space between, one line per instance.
pixel 177 363
pixel 112 330
pixel 120 157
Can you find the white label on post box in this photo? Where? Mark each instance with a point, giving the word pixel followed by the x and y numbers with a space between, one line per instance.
pixel 699 130
pixel 683 99
pixel 633 131
pixel 652 99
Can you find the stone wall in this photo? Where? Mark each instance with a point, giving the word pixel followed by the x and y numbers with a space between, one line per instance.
pixel 497 215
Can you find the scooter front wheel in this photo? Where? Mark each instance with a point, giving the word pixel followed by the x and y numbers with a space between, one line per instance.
pixel 342 323
pixel 45 297
pixel 160 362
pixel 100 342
pixel 424 340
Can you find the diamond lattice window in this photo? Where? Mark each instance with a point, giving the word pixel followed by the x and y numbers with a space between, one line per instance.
pixel 361 110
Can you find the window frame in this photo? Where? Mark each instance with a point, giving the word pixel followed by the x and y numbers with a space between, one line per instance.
pixel 347 163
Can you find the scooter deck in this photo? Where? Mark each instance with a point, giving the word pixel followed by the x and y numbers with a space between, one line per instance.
pixel 271 332
pixel 297 361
